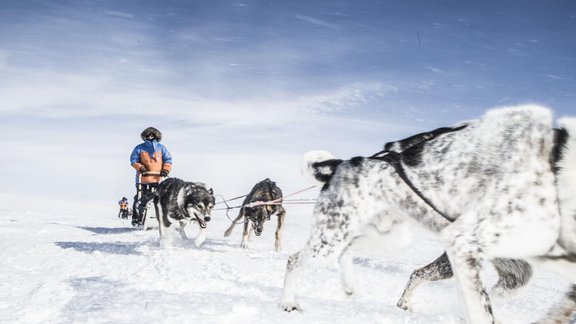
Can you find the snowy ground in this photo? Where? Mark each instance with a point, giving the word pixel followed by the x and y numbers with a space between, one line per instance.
pixel 69 262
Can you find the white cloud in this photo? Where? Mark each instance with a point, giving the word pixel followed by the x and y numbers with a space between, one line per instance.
pixel 60 95
pixel 348 97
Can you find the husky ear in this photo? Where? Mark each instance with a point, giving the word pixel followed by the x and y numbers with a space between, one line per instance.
pixel 319 165
pixel 210 191
pixel 324 170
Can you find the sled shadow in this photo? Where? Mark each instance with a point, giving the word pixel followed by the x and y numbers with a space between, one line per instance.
pixel 108 248
pixel 109 230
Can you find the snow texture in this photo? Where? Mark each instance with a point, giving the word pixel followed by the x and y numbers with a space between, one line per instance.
pixel 74 262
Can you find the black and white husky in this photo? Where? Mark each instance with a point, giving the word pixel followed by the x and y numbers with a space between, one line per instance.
pixel 263 201
pixel 489 189
pixel 178 202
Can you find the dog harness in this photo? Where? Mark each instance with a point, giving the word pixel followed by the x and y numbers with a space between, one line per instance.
pixel 395 160
pixel 415 142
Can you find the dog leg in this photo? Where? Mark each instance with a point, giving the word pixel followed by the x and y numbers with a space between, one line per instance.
pixel 246 233
pixel 513 274
pixel 318 249
pixel 201 237
pixel 278 238
pixel 180 230
pixel 347 268
pixel 564 311
pixel 166 239
pixel 159 217
pixel 466 268
pixel 439 269
pixel 229 230
pixel 294 268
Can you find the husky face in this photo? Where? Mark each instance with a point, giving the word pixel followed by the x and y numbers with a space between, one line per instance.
pixel 265 191
pixel 258 216
pixel 198 201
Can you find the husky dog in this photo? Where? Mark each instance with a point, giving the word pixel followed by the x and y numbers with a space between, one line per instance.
pixel 180 202
pixel 488 189
pixel 260 204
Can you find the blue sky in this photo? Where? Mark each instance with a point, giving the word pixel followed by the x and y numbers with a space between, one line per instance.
pixel 242 88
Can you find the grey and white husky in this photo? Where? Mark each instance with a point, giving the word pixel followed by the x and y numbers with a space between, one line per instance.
pixel 178 203
pixel 497 188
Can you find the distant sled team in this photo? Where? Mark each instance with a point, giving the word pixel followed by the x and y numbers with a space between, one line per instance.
pixel 499 189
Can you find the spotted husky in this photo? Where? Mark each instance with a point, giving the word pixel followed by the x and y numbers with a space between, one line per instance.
pixel 501 186
pixel 178 203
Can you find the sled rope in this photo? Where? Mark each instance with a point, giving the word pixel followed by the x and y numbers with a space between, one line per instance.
pixel 224 201
pixel 278 201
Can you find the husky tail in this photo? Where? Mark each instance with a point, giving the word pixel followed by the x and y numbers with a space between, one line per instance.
pixel 319 165
pixel 565 165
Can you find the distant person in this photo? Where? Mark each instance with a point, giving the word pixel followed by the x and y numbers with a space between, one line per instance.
pixel 123 203
pixel 149 157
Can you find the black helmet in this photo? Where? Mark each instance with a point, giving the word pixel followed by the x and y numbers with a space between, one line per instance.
pixel 124 198
pixel 153 131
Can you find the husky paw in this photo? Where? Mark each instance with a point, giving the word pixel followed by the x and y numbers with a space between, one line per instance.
pixel 402 303
pixel 349 291
pixel 290 307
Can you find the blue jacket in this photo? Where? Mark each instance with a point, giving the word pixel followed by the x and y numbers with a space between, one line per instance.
pixel 153 156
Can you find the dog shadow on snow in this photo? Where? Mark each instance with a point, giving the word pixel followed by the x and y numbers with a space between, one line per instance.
pixel 135 248
pixel 123 248
pixel 109 230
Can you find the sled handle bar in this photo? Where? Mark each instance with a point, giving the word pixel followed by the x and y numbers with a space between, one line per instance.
pixel 149 173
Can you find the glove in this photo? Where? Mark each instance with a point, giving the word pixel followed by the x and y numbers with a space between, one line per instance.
pixel 164 173
pixel 142 170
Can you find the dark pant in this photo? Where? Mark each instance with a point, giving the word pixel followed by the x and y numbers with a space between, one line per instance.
pixel 144 192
